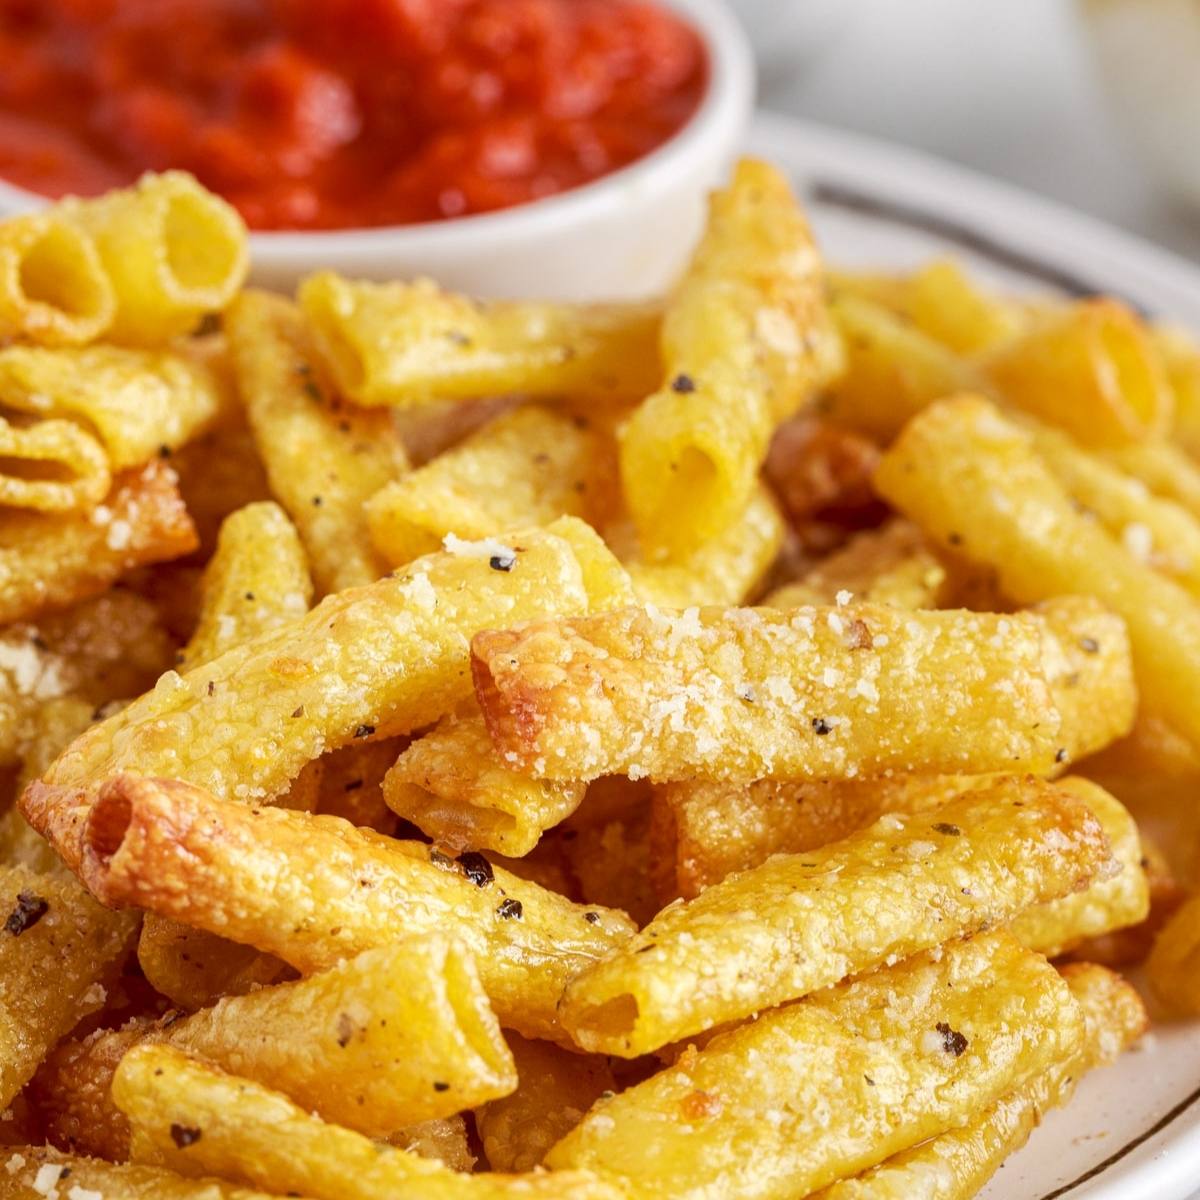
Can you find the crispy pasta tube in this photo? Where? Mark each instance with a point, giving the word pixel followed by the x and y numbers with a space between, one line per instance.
pixel 956 1164
pixel 257 580
pixel 53 287
pixel 57 949
pixel 36 1172
pixel 974 482
pixel 141 403
pixel 172 849
pixel 373 661
pixel 802 922
pixel 172 251
pixel 242 1130
pixel 324 459
pixel 1174 963
pixel 51 561
pixel 523 469
pixel 830 1086
pixel 453 786
pixel 1116 902
pixel 409 344
pixel 745 339
pixel 726 569
pixel 1089 368
pixel 51 466
pixel 743 694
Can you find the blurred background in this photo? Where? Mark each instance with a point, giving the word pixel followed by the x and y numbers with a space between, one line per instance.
pixel 1095 103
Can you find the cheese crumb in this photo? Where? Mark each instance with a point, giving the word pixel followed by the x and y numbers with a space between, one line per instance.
pixel 120 534
pixel 483 548
pixel 82 1193
pixel 15 1163
pixel 1138 540
pixel 843 598
pixel 45 1183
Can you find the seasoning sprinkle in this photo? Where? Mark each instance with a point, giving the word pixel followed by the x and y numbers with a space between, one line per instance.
pixel 821 726
pixel 502 562
pixel 953 1042
pixel 509 910
pixel 683 384
pixel 476 868
pixel 184 1135
pixel 364 731
pixel 948 829
pixel 29 910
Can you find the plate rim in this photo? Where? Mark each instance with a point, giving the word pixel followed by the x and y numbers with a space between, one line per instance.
pixel 917 190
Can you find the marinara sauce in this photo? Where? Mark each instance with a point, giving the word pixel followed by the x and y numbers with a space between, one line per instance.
pixel 327 114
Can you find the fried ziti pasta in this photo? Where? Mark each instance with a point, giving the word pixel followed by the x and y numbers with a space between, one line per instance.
pixel 1090 369
pixel 452 785
pixel 956 1164
pixel 174 850
pixel 554 1089
pixel 409 344
pixel 1164 468
pixel 801 922
pixel 522 469
pixel 715 829
pixel 54 290
pixel 1113 901
pixel 36 1172
pixel 726 569
pixel 374 661
pixel 324 459
pixel 141 404
pixel 249 1133
pixel 49 561
pixel 743 694
pixel 745 339
pixel 257 580
pixel 974 482
pixel 51 466
pixel 834 1084
pixel 58 949
pixel 171 250
pixel 332 1042
pixel 893 370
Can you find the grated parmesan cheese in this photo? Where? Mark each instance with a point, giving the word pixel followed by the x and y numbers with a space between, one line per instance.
pixel 483 548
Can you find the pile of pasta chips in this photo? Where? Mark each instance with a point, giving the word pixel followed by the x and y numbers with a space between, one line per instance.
pixel 726 746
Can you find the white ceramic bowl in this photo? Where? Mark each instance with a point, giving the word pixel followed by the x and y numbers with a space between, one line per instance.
pixel 624 236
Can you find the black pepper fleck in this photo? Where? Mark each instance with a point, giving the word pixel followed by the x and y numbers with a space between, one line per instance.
pixel 184 1135
pixel 502 562
pixel 211 688
pixel 869 1080
pixel 953 1042
pixel 363 731
pixel 1060 755
pixel 683 384
pixel 299 711
pixel 317 501
pixel 821 726
pixel 1089 645
pixel 476 868
pixel 439 1086
pixel 509 910
pixel 345 1030
pixel 353 785
pixel 948 829
pixel 592 918
pixel 29 910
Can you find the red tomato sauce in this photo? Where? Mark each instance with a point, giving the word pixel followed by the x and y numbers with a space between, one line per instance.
pixel 330 114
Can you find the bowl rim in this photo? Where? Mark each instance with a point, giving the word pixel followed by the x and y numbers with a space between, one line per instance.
pixel 727 99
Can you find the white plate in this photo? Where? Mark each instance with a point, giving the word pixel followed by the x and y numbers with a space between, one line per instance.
pixel 1133 1130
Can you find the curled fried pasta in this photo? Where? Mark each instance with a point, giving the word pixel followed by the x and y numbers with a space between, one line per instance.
pixel 802 922
pixel 1089 368
pixel 743 694
pixel 53 287
pixel 256 581
pixel 51 466
pixel 179 852
pixel 247 1132
pixel 171 250
pixel 974 482
pixel 522 469
pixel 956 1164
pixel 410 344
pixel 452 785
pixel 141 403
pixel 324 459
pixel 372 661
pixel 1174 963
pixel 827 1087
pixel 745 339
pixel 53 560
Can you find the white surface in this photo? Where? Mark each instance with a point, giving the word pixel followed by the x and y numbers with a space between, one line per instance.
pixel 625 236
pixel 1120 1103
pixel 1007 88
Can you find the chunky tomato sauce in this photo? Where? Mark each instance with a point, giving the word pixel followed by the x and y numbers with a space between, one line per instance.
pixel 319 114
